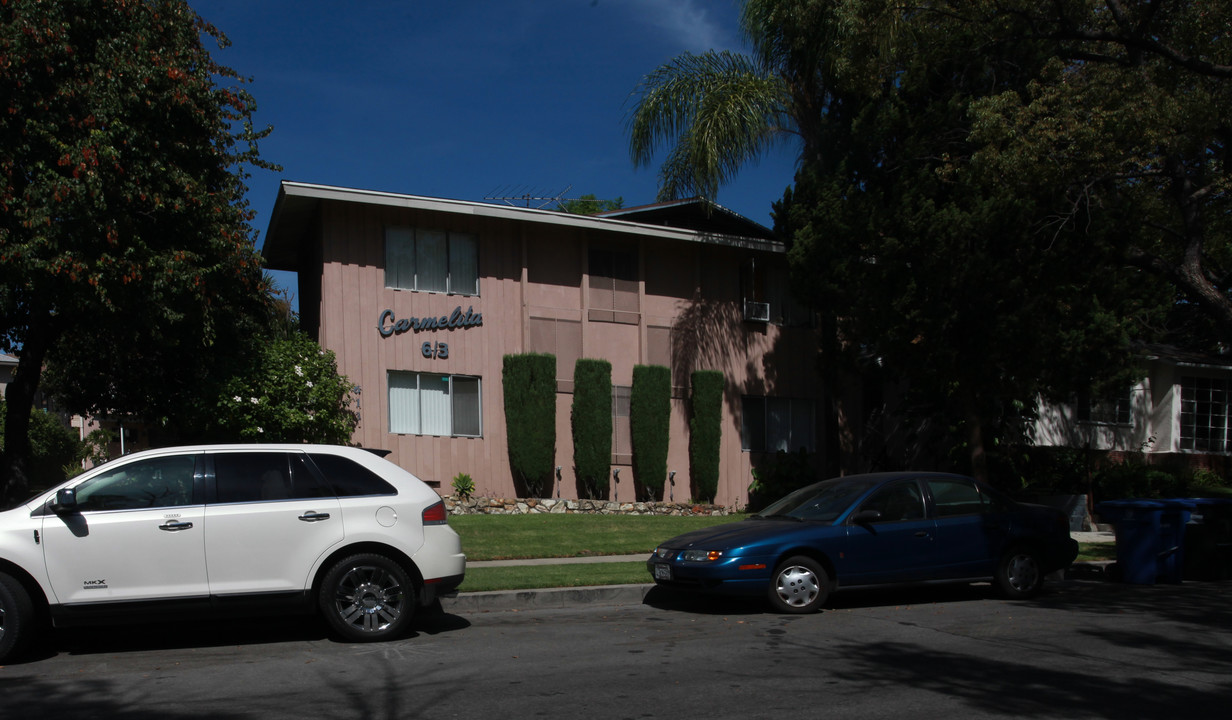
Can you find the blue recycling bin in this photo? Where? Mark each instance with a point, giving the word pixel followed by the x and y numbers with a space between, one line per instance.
pixel 1137 525
pixel 1208 540
pixel 1173 519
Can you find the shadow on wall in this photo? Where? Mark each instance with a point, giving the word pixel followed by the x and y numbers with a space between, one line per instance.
pixel 712 335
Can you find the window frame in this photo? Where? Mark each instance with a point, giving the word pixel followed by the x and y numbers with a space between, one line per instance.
pixel 1118 411
pixel 613 284
pixel 452 258
pixel 452 398
pixel 1189 416
pixel 622 409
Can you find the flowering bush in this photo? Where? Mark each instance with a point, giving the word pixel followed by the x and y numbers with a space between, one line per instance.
pixel 294 394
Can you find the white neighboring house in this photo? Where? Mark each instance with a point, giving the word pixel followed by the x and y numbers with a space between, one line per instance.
pixel 8 366
pixel 1183 407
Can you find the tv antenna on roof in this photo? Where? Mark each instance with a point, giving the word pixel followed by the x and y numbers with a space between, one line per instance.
pixel 516 195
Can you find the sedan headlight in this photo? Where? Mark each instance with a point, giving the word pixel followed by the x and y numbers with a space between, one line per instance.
pixel 701 555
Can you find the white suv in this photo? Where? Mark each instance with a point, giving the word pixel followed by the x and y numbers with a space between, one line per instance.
pixel 238 528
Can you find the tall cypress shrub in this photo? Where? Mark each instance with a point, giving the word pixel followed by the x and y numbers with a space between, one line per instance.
pixel 529 383
pixel 705 429
pixel 591 420
pixel 650 408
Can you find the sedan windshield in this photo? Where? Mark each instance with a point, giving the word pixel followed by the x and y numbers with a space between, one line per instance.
pixel 822 501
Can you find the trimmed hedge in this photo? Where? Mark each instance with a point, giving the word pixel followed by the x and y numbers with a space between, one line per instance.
pixel 529 383
pixel 591 419
pixel 650 412
pixel 705 430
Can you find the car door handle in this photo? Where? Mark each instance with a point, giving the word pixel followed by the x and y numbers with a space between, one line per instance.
pixel 171 526
pixel 311 516
pixel 921 533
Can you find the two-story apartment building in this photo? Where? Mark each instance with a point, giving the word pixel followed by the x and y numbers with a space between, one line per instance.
pixel 421 298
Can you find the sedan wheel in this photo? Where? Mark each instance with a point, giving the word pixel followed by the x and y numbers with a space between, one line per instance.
pixel 1019 575
pixel 366 598
pixel 800 585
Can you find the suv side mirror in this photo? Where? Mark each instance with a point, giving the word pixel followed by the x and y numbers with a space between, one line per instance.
pixel 65 502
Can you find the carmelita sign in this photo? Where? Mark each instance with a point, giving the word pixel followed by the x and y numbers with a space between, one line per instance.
pixel 458 320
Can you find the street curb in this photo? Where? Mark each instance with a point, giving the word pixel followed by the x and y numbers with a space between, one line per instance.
pixel 547 598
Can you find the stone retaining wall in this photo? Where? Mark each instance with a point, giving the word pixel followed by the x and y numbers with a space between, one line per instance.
pixel 503 506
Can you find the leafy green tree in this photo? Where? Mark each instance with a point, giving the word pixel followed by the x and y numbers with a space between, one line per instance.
pixel 590 205
pixel 127 265
pixel 54 449
pixel 1127 126
pixel 529 384
pixel 705 432
pixel 718 111
pixel 292 394
pixel 650 414
pixel 951 264
pixel 591 420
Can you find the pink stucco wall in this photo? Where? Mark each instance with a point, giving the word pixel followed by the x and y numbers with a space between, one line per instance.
pixel 536 270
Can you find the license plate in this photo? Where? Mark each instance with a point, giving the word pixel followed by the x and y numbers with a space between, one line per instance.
pixel 662 571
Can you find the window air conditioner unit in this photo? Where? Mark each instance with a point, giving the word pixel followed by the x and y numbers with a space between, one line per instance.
pixel 756 311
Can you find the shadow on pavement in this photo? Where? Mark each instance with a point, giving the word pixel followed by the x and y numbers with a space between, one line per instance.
pixel 198 633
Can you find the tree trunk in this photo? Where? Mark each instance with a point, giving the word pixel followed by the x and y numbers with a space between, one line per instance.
pixel 975 437
pixel 19 402
pixel 835 421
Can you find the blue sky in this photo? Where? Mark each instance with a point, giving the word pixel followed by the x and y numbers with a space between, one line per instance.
pixel 470 98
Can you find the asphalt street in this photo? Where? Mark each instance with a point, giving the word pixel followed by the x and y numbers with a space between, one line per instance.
pixel 1084 649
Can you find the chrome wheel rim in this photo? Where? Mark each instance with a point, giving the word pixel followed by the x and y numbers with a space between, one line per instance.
pixel 797 586
pixel 1022 572
pixel 369 598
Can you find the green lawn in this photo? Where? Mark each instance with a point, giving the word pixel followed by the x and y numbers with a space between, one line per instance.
pixel 1088 552
pixel 506 537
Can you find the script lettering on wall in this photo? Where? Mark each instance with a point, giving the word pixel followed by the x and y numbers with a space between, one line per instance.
pixel 458 320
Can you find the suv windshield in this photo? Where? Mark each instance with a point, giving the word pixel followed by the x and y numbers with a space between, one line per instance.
pixel 825 500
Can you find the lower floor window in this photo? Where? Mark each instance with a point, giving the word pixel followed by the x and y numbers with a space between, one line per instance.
pixel 1206 407
pixel 770 424
pixel 434 404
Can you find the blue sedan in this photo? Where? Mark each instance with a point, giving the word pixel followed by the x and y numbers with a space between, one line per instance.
pixel 867 530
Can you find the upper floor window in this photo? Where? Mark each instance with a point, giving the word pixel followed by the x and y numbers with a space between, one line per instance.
pixel 613 286
pixel 765 292
pixel 1204 414
pixel 431 261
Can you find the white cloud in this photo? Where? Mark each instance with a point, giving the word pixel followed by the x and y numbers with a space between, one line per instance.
pixel 697 25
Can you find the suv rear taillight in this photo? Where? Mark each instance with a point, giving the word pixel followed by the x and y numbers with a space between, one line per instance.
pixel 435 514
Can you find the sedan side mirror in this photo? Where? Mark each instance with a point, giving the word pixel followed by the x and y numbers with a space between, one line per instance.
pixel 866 517
pixel 65 502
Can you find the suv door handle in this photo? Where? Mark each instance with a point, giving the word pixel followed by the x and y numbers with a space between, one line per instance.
pixel 312 516
pixel 171 526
